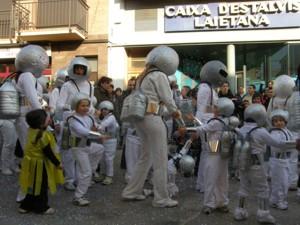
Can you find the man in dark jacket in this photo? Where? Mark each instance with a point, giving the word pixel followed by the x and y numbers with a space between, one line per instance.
pixel 101 90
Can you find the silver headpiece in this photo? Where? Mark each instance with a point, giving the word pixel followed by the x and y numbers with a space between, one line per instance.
pixel 214 72
pixel 256 112
pixel 279 112
pixel 283 86
pixel 225 106
pixel 77 98
pixel 61 75
pixel 106 105
pixel 33 59
pixel 164 58
pixel 82 62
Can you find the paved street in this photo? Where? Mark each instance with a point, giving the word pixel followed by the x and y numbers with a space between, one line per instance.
pixel 107 208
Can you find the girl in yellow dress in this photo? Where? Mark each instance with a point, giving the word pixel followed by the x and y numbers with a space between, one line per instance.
pixel 41 166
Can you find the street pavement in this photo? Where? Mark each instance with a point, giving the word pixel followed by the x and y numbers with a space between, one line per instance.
pixel 107 208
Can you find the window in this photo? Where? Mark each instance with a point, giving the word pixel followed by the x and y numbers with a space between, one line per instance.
pixel 146 20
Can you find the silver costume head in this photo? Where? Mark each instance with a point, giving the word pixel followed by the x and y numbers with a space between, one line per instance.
pixel 44 81
pixel 77 98
pixel 280 113
pixel 79 61
pixel 225 106
pixel 164 58
pixel 61 76
pixel 257 113
pixel 187 164
pixel 106 105
pixel 283 86
pixel 234 122
pixel 33 59
pixel 214 72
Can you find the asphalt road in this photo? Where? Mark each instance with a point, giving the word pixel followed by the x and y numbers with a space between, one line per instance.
pixel 107 208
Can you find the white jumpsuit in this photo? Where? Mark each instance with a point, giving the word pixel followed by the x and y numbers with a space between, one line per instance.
pixel 279 163
pixel 87 157
pixel 28 87
pixel 67 92
pixel 206 99
pixel 216 168
pixel 110 126
pixel 153 134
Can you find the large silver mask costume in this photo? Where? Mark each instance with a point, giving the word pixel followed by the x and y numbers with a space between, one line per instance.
pixel 256 112
pixel 214 72
pixel 61 75
pixel 283 86
pixel 82 62
pixel 77 98
pixel 33 59
pixel 225 106
pixel 164 58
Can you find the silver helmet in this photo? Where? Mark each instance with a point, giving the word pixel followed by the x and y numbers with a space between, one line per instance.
pixel 225 106
pixel 164 58
pixel 234 122
pixel 279 112
pixel 61 75
pixel 257 113
pixel 33 59
pixel 77 98
pixel 106 105
pixel 82 62
pixel 44 81
pixel 187 164
pixel 283 86
pixel 214 72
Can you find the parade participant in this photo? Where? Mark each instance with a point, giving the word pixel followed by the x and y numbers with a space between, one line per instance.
pixel 279 160
pixel 41 168
pixel 61 78
pixel 252 170
pixel 86 152
pixel 9 139
pixel 30 63
pixel 216 166
pixel 160 62
pixel 79 72
pixel 109 126
pixel 212 75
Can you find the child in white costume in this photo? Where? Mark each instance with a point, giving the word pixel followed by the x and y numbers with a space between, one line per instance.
pixel 212 75
pixel 109 126
pixel 79 72
pixel 216 167
pixel 253 174
pixel 279 160
pixel 86 153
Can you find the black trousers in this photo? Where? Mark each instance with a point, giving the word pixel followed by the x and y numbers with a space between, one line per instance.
pixel 37 203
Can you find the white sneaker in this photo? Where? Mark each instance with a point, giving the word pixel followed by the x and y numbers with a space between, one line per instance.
pixel 20 196
pixel 264 216
pixel 7 172
pixel 107 181
pixel 49 211
pixel 81 201
pixel 282 206
pixel 133 197
pixel 240 214
pixel 166 203
pixel 69 186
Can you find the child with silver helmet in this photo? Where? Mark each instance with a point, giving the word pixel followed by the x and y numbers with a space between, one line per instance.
pixel 252 173
pixel 279 160
pixel 87 153
pixel 216 166
pixel 109 126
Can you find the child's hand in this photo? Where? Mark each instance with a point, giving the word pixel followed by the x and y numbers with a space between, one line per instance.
pixel 97 113
pixel 94 128
pixel 194 136
pixel 181 131
pixel 104 138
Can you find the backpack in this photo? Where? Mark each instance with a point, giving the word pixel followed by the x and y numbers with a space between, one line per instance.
pixel 244 157
pixel 225 145
pixel 135 104
pixel 9 98
pixel 69 141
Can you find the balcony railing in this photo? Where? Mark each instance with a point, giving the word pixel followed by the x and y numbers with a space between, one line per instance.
pixel 54 13
pixel 6 25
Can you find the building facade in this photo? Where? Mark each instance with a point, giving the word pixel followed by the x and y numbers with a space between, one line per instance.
pixel 65 28
pixel 257 40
